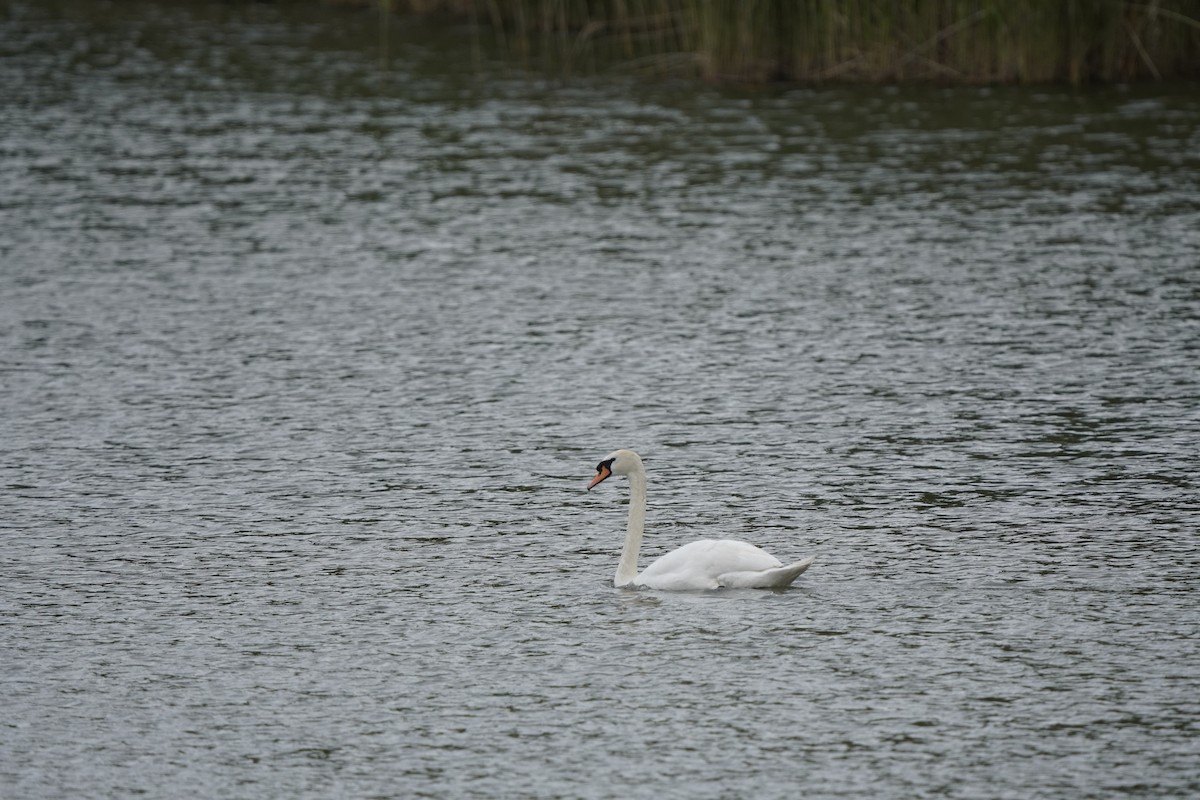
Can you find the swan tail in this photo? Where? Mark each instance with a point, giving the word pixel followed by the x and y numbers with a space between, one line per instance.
pixel 775 578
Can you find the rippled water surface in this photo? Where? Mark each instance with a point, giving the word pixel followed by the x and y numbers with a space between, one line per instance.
pixel 308 351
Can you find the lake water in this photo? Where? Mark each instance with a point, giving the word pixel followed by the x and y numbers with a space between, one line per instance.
pixel 308 351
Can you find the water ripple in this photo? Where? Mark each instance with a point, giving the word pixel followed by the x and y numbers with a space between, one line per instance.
pixel 305 363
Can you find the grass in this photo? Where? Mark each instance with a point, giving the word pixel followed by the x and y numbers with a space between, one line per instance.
pixel 961 41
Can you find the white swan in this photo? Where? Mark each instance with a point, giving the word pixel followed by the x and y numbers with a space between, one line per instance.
pixel 703 564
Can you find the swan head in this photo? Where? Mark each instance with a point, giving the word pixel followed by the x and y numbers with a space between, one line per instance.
pixel 618 462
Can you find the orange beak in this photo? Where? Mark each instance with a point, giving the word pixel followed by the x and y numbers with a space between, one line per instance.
pixel 600 476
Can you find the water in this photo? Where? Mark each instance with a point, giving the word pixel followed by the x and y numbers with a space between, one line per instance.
pixel 306 362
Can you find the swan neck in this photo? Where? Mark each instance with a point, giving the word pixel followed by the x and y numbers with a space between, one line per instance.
pixel 627 568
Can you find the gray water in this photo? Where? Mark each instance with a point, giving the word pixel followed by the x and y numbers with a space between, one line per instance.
pixel 309 346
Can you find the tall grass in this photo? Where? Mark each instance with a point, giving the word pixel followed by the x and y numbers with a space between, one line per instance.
pixel 1023 41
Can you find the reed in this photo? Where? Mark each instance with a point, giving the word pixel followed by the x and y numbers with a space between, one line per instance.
pixel 993 41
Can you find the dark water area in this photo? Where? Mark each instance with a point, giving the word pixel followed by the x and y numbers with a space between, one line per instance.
pixel 309 345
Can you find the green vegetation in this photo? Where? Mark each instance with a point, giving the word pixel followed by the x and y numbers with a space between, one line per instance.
pixel 963 41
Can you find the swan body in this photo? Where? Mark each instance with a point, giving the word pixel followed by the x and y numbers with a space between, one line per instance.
pixel 697 566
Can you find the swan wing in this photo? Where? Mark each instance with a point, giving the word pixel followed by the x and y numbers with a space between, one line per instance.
pixel 775 578
pixel 702 564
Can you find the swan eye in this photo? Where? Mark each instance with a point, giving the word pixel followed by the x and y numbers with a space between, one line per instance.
pixel 605 465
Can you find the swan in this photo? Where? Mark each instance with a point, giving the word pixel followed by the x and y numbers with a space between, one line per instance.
pixel 699 565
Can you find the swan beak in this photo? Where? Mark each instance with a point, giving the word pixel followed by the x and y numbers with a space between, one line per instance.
pixel 603 473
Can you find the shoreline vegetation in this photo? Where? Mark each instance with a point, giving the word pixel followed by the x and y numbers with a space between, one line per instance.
pixel 821 41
